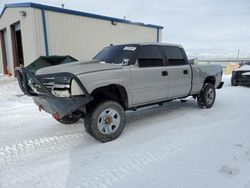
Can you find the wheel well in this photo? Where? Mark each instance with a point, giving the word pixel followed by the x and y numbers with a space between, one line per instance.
pixel 210 79
pixel 111 92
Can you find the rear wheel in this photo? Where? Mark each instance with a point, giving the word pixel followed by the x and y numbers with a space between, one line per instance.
pixel 207 96
pixel 106 121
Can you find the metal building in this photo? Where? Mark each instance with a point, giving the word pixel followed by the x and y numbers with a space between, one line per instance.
pixel 30 30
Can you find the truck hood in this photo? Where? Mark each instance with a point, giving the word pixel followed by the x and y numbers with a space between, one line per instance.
pixel 79 67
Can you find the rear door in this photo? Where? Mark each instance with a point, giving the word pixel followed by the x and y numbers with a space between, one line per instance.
pixel 179 71
pixel 149 76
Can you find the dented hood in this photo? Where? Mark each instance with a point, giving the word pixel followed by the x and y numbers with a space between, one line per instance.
pixel 79 67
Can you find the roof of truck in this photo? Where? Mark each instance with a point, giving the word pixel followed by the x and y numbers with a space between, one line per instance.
pixel 160 44
pixel 152 43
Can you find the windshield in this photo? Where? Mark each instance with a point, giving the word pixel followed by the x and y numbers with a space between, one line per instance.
pixel 122 54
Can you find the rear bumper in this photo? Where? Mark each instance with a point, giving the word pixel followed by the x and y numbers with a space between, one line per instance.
pixel 61 106
pixel 220 85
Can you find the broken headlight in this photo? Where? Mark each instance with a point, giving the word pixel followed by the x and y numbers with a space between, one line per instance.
pixel 58 85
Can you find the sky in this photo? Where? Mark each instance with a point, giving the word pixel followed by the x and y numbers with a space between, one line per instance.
pixel 203 27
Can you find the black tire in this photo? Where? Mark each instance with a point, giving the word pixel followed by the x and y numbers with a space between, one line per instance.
pixel 106 121
pixel 233 81
pixel 207 96
pixel 69 119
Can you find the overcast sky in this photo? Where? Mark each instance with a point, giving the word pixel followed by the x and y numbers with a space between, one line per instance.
pixel 203 27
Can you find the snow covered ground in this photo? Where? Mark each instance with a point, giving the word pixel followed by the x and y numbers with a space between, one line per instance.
pixel 177 145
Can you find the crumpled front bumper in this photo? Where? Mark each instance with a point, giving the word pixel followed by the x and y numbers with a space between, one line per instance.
pixel 59 106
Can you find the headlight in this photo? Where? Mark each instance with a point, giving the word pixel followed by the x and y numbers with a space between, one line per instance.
pixel 60 92
pixel 59 85
pixel 49 82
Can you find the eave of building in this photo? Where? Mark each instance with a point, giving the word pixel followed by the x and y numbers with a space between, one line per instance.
pixel 74 12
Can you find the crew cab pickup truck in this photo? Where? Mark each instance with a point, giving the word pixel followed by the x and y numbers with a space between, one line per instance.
pixel 117 79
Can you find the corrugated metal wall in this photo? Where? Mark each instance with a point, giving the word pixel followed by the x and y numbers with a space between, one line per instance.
pixel 82 37
pixel 78 36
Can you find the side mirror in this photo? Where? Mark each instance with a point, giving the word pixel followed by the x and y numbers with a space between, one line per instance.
pixel 125 61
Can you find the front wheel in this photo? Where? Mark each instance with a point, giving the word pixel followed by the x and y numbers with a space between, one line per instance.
pixel 106 121
pixel 207 96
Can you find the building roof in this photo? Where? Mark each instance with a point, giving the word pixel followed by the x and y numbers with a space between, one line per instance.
pixel 74 12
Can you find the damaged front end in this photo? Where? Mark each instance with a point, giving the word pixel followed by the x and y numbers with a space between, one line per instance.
pixel 59 94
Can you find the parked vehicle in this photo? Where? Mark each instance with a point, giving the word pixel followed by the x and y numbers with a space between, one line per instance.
pixel 119 78
pixel 242 75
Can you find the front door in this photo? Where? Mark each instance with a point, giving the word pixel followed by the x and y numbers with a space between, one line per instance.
pixel 149 76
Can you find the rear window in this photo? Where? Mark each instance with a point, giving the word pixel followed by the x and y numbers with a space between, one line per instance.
pixel 174 55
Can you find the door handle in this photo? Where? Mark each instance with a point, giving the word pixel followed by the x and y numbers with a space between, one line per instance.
pixel 185 71
pixel 164 73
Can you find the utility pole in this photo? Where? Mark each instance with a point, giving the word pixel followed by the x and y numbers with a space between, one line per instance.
pixel 238 54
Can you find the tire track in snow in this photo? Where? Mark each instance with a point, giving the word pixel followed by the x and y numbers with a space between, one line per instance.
pixel 125 162
pixel 31 149
pixel 138 157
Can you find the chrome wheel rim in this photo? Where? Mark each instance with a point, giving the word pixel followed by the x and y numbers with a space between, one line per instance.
pixel 210 96
pixel 108 121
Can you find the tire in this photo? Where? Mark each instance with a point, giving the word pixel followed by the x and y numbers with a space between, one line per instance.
pixel 207 96
pixel 200 102
pixel 106 121
pixel 69 119
pixel 233 81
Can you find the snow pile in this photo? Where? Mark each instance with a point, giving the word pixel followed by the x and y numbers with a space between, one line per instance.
pixel 245 67
pixel 246 73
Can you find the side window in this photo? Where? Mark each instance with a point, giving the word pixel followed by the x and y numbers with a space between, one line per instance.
pixel 174 55
pixel 150 56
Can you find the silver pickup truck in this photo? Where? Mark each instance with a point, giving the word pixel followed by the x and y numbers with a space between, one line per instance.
pixel 119 78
